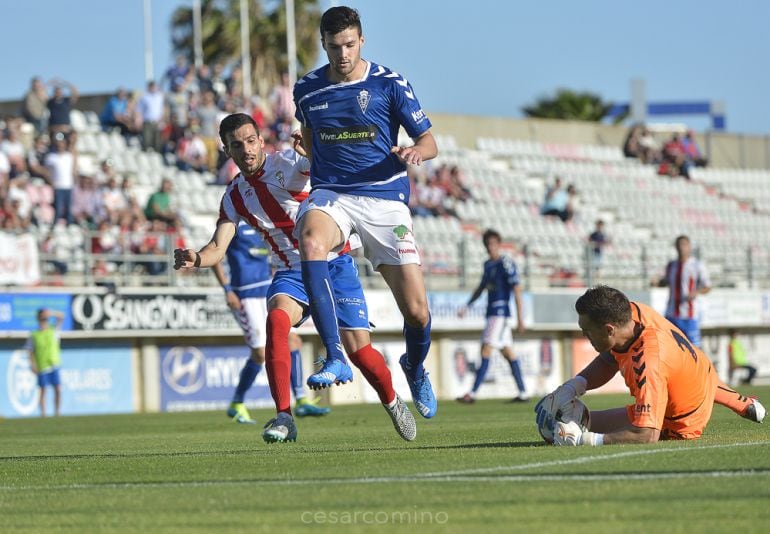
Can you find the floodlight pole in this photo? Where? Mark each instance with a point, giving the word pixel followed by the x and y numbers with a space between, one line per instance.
pixel 197 37
pixel 245 53
pixel 291 42
pixel 148 66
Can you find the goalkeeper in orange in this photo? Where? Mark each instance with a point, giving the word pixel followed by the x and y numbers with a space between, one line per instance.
pixel 674 383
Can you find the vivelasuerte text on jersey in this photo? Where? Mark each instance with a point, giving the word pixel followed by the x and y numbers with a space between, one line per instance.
pixel 355 124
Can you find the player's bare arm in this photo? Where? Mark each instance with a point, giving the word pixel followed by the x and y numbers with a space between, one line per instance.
pixel 209 255
pixel 424 148
pixel 233 302
pixel 519 307
pixel 476 294
pixel 599 371
pixel 306 134
pixel 630 434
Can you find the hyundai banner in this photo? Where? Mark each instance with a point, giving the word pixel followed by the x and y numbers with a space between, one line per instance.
pixel 204 378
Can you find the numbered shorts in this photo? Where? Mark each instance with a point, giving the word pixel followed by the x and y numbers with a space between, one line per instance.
pixel 49 378
pixel 690 328
pixel 497 332
pixel 384 226
pixel 349 301
pixel 252 318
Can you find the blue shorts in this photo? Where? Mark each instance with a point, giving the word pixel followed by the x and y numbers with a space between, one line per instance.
pixel 349 301
pixel 49 378
pixel 690 328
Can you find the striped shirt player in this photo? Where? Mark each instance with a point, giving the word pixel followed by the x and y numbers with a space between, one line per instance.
pixel 351 111
pixel 686 277
pixel 266 194
pixel 500 279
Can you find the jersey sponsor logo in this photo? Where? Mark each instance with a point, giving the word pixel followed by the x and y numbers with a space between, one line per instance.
pixel 407 251
pixel 318 107
pixel 280 177
pixel 401 231
pixel 643 408
pixel 349 134
pixel 418 116
pixel 363 100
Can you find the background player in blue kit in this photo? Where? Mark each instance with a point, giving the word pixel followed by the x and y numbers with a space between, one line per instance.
pixel 351 111
pixel 248 259
pixel 500 278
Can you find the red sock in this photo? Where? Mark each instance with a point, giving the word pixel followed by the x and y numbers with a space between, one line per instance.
pixel 375 370
pixel 731 399
pixel 278 359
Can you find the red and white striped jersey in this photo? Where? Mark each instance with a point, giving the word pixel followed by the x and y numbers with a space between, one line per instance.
pixel 269 201
pixel 684 278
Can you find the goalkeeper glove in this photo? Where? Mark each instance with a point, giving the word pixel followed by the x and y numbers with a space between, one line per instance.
pixel 571 434
pixel 558 399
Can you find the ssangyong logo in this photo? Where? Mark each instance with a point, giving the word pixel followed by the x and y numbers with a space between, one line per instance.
pixel 22 384
pixel 184 369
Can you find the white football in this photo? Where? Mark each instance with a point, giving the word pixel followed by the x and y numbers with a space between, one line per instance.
pixel 575 411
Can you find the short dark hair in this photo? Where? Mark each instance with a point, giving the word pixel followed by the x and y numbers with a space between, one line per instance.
pixel 604 305
pixel 232 122
pixel 340 18
pixel 490 234
pixel 681 238
pixel 40 313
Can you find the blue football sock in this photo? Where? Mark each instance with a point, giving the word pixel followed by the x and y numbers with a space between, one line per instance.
pixel 248 374
pixel 481 373
pixel 417 345
pixel 315 276
pixel 516 370
pixel 297 385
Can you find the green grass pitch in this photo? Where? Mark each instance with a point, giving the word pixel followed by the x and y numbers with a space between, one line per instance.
pixel 478 466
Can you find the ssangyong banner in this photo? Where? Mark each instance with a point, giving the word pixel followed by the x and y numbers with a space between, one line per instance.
pixel 94 380
pixel 151 312
pixel 204 378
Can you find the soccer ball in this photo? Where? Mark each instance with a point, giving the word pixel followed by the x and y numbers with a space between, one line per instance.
pixel 575 411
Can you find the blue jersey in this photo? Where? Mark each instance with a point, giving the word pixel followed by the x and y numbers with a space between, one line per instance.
pixel 355 125
pixel 499 278
pixel 249 260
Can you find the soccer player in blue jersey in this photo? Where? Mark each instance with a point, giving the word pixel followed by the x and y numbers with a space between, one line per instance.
pixel 351 111
pixel 500 278
pixel 248 259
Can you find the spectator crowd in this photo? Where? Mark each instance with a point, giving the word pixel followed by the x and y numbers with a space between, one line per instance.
pixel 674 157
pixel 43 186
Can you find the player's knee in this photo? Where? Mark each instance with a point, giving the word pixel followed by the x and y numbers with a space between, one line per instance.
pixel 311 247
pixel 417 314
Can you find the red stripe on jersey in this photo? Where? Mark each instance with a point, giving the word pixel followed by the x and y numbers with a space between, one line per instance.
pixel 691 301
pixel 299 196
pixel 240 209
pixel 274 210
pixel 305 173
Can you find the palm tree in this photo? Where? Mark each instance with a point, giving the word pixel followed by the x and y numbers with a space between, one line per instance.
pixel 569 105
pixel 220 35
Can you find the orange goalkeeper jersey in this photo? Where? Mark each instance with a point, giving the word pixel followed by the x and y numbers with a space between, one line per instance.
pixel 672 381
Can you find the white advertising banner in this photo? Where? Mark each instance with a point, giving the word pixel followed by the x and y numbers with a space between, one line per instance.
pixel 19 263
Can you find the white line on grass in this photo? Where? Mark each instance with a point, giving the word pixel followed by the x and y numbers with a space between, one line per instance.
pixel 588 459
pixel 451 476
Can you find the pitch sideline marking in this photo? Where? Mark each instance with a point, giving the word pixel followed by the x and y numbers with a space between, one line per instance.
pixel 450 476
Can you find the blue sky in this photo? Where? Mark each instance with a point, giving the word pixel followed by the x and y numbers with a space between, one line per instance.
pixel 483 57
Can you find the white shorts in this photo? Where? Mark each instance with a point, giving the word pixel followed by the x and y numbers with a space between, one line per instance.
pixel 252 318
pixel 384 226
pixel 497 332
